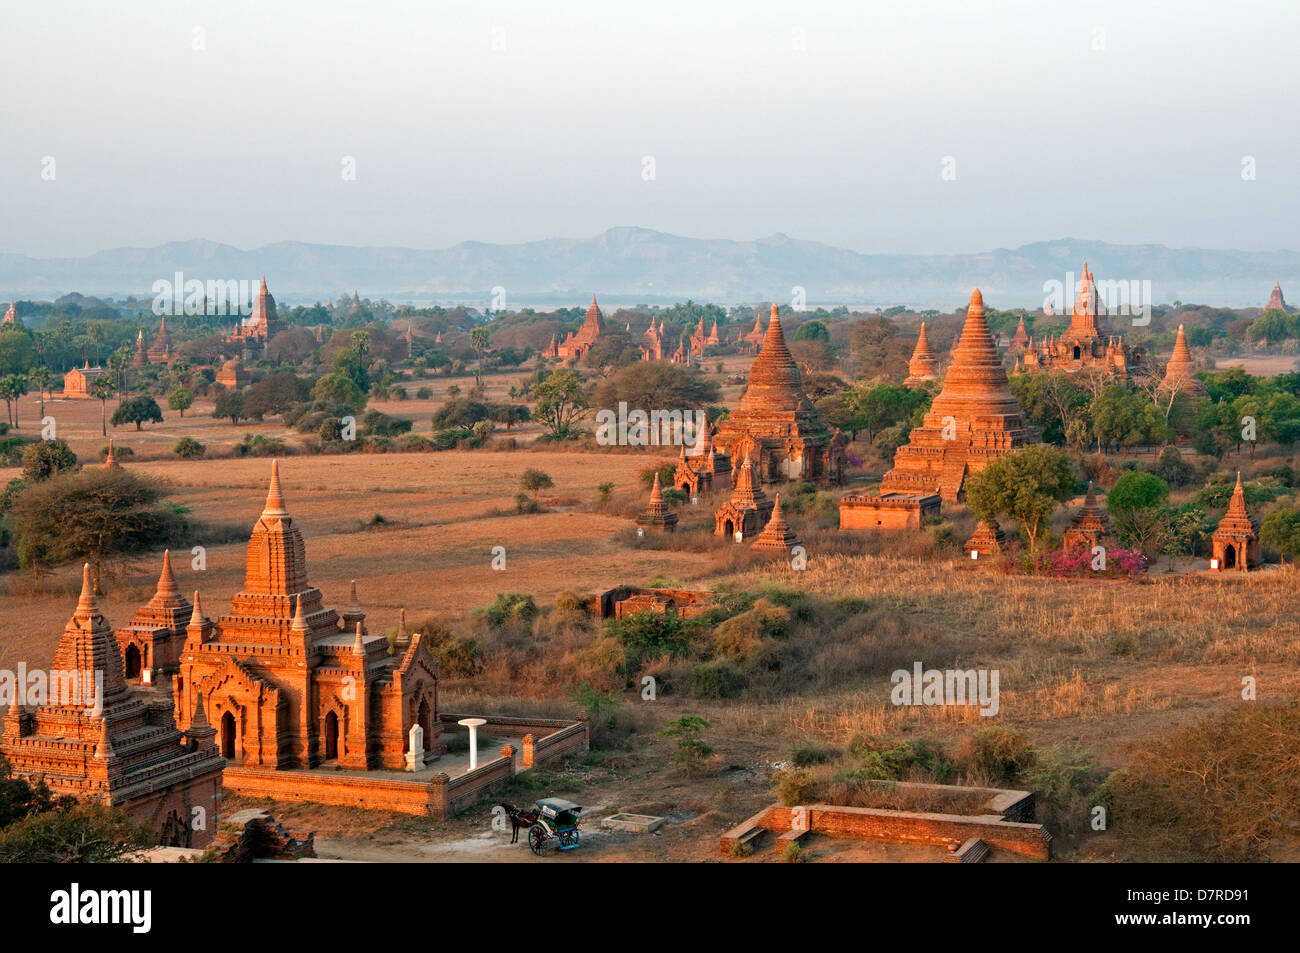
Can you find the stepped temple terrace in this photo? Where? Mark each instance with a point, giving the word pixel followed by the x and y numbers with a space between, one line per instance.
pixel 777 536
pixel 1236 540
pixel 776 426
pixel 1085 344
pixel 580 342
pixel 973 420
pixel 105 741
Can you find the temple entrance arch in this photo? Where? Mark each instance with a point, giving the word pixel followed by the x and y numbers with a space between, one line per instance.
pixel 132 661
pixel 331 737
pixel 1078 352
pixel 1229 557
pixel 228 736
pixel 730 528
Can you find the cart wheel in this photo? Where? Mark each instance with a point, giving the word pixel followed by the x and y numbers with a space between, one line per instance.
pixel 537 840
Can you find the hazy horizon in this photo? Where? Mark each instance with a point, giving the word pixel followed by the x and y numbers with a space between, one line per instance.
pixel 233 122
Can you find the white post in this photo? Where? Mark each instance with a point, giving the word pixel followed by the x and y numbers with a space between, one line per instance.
pixel 473 725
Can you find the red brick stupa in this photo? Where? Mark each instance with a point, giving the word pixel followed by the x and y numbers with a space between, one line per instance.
pixel 776 426
pixel 974 420
pixel 922 367
pixel 1180 372
pixel 777 536
pixel 1090 525
pixel 657 518
pixel 1275 300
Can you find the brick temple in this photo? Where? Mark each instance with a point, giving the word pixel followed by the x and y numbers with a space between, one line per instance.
pixel 776 426
pixel 260 326
pixel 289 683
pixel 11 319
pixel 973 420
pixel 117 744
pixel 76 383
pixel 1086 344
pixel 578 343
pixel 747 512
pixel 706 470
pixel 1236 540
pixel 1275 299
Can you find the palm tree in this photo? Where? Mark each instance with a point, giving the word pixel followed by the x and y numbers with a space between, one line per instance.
pixel 102 388
pixel 42 379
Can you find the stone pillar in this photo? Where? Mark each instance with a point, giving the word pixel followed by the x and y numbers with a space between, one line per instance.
pixel 528 750
pixel 415 751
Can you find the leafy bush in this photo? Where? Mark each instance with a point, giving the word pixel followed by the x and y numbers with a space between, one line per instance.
pixel 187 448
pixel 717 679
pixel 1000 753
pixel 794 786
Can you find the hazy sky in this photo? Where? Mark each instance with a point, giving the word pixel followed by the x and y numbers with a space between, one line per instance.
pixel 513 121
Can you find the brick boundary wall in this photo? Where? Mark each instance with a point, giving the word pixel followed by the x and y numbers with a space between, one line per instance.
pixel 438 797
pixel 463 791
pixel 905 827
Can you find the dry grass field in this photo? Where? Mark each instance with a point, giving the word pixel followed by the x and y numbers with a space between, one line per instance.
pixel 1085 667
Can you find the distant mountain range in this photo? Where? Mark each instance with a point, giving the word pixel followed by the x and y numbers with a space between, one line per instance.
pixel 624 266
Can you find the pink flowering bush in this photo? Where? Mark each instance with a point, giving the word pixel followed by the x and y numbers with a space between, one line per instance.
pixel 1076 563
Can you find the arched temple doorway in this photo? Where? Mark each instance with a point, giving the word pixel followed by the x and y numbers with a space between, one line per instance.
pixel 228 736
pixel 331 736
pixel 133 663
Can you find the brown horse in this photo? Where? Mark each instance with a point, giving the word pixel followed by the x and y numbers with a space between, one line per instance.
pixel 518 818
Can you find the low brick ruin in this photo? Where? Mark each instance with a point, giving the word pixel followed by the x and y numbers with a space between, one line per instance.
pixel 1005 824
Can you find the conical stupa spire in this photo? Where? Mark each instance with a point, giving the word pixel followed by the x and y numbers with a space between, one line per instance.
pixel 196 617
pixel 1237 505
pixel 403 639
pixel 774 382
pixel 299 623
pixel 777 536
pixel 104 747
pixel 656 495
pixel 358 647
pixel 275 495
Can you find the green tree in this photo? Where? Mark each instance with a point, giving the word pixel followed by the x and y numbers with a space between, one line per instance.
pixel 1138 505
pixel 42 378
pixel 1281 530
pixel 691 749
pixel 561 403
pixel 45 458
pixel 12 388
pixel 181 399
pixel 137 410
pixel 534 481
pixel 340 388
pixel 92 514
pixel 74 834
pixel 230 404
pixel 1027 486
